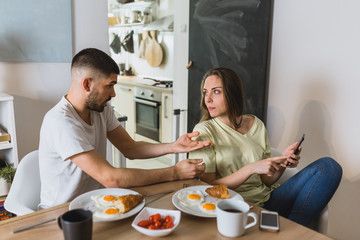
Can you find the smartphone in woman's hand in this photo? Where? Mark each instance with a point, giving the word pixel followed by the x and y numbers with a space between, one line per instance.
pixel 297 149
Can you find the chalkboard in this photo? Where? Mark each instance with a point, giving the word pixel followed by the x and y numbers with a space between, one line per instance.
pixel 36 30
pixel 233 34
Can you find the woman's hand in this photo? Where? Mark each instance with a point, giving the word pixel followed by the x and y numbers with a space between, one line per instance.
pixel 269 169
pixel 292 159
pixel 185 144
pixel 268 166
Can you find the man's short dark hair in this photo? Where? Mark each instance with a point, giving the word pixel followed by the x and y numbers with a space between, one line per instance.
pixel 95 59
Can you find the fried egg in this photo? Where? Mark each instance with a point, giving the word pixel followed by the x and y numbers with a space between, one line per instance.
pixel 107 213
pixel 208 208
pixel 102 201
pixel 191 198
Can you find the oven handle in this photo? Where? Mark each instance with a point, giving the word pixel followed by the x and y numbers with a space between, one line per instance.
pixel 154 104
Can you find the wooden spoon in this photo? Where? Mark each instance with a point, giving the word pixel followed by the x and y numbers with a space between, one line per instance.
pixel 154 52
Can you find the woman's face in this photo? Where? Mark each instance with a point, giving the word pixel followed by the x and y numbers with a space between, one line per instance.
pixel 214 96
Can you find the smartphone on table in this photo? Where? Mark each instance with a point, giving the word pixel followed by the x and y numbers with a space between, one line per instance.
pixel 269 221
pixel 297 148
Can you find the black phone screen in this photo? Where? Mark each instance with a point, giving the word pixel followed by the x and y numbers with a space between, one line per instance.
pixel 269 219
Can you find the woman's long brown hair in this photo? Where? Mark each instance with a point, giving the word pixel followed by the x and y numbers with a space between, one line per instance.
pixel 233 94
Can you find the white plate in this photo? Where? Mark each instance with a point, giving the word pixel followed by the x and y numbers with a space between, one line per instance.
pixel 195 210
pixel 84 201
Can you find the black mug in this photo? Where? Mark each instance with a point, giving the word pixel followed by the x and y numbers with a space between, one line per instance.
pixel 76 224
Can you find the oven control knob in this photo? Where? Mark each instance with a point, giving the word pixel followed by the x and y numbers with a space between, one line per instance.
pixel 142 93
pixel 151 95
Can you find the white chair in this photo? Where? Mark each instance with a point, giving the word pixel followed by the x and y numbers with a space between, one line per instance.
pixel 321 223
pixel 24 194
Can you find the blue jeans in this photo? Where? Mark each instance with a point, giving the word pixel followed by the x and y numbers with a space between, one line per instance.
pixel 302 197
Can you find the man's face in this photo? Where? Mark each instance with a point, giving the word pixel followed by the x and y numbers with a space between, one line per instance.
pixel 101 92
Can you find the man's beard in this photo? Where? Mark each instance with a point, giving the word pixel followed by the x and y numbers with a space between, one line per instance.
pixel 91 102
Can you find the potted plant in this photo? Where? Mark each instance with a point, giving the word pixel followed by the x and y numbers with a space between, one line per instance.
pixel 7 174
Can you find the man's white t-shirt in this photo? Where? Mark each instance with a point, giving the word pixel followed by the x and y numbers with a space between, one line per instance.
pixel 64 134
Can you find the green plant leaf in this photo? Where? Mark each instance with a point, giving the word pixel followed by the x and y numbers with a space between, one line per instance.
pixel 8 173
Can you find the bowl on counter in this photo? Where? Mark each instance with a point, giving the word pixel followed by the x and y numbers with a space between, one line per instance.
pixel 147 212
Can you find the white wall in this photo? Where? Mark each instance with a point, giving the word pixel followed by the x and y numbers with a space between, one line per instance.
pixel 36 87
pixel 313 85
pixel 314 82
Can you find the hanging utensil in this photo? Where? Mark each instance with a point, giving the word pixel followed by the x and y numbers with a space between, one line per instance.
pixel 144 44
pixel 154 52
pixel 116 44
pixel 160 82
pixel 128 42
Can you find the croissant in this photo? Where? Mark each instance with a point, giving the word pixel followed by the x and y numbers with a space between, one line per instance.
pixel 218 191
pixel 127 202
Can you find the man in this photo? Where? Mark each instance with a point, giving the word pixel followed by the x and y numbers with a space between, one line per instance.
pixel 73 137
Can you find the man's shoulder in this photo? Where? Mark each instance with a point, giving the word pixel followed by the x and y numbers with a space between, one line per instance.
pixel 61 112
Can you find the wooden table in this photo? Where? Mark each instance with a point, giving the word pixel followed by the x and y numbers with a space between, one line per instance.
pixel 190 227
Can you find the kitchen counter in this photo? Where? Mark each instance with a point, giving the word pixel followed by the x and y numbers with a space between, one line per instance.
pixel 136 81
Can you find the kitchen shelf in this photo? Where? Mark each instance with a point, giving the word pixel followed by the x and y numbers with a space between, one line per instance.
pixel 138 5
pixel 121 13
pixel 165 24
pixel 142 6
pixel 126 25
pixel 8 151
pixel 136 27
pixel 4 146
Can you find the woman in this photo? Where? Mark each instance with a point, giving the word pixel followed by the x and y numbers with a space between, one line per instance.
pixel 240 157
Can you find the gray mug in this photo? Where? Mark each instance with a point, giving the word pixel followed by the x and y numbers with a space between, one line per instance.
pixel 76 224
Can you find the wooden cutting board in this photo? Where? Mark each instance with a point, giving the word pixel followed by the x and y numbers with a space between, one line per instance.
pixel 153 52
pixel 144 43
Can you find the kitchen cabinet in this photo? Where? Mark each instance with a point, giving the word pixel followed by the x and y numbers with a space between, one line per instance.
pixel 166 118
pixel 138 16
pixel 124 104
pixel 8 150
pixel 133 14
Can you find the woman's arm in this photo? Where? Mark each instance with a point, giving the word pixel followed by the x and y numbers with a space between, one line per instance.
pixel 268 168
pixel 231 181
pixel 289 155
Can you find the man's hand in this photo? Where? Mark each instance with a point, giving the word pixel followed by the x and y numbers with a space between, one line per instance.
pixel 185 144
pixel 189 168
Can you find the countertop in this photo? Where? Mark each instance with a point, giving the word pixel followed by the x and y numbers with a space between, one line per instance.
pixel 135 81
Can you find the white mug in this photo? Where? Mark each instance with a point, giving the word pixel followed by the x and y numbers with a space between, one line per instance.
pixel 232 216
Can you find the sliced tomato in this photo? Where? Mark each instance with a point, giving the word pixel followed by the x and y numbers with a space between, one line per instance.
pixel 158 224
pixel 152 226
pixel 169 224
pixel 168 218
pixel 144 223
pixel 157 217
